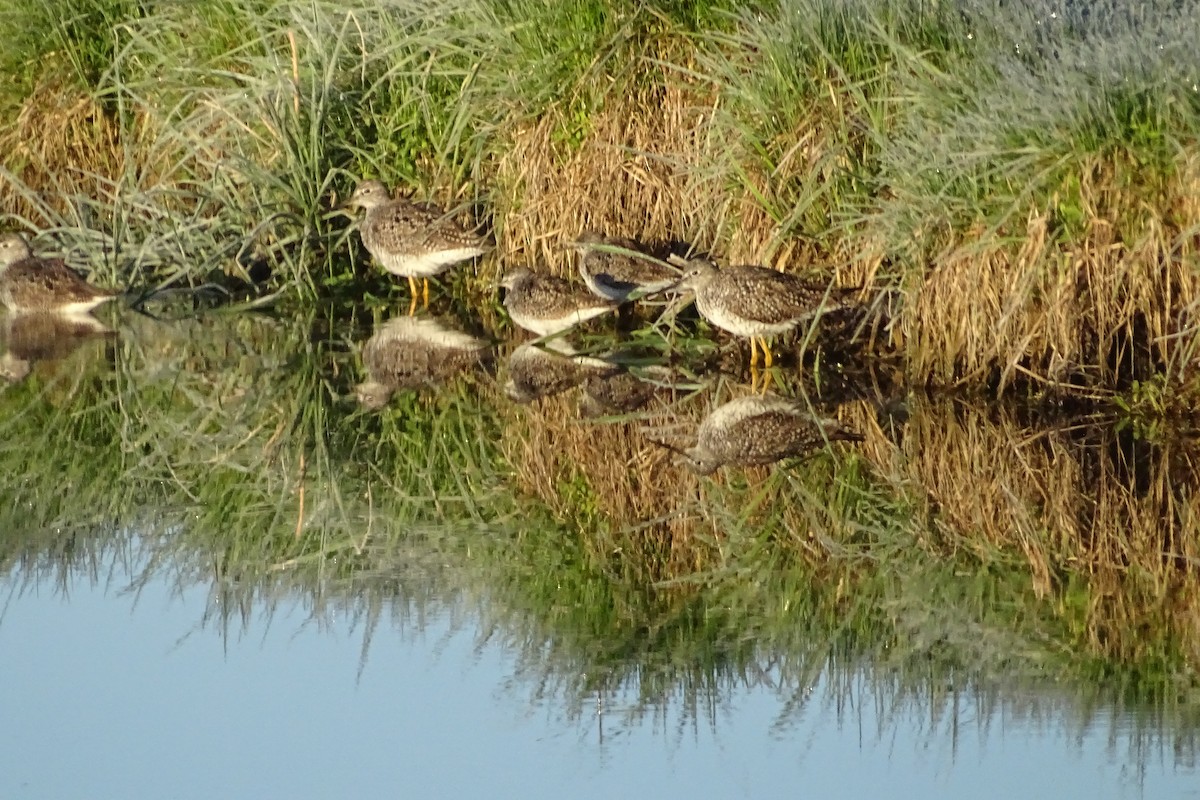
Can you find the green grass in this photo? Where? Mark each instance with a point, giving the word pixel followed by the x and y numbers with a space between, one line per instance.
pixel 898 131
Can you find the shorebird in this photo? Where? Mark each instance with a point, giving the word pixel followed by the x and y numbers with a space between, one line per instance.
pixel 409 352
pixel 413 240
pixel 757 302
pixel 760 430
pixel 547 305
pixel 615 268
pixel 32 284
pixel 536 371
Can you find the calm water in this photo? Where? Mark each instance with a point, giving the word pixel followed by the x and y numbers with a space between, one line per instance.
pixel 108 694
pixel 225 577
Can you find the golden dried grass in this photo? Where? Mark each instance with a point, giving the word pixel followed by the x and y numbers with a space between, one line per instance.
pixel 1098 310
pixel 61 143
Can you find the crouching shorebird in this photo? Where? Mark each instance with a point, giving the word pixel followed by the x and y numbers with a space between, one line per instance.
pixel 757 302
pixel 412 240
pixel 46 285
pixel 615 268
pixel 545 304
pixel 758 430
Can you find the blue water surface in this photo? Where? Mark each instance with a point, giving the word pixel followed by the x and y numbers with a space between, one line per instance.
pixel 109 694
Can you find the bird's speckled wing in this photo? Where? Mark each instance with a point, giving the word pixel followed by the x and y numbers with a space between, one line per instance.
pixel 623 268
pixel 550 296
pixel 416 229
pixel 40 284
pixel 772 297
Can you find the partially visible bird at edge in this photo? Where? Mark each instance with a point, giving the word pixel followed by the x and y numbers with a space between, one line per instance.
pixel 29 283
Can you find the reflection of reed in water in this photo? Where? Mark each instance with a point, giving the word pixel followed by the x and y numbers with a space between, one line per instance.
pixel 30 338
pixel 536 371
pixel 411 352
pixel 1069 496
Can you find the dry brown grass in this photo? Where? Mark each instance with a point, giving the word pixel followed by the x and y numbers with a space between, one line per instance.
pixel 62 143
pixel 1099 311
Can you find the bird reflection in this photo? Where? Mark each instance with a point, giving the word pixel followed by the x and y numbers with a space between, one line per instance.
pixel 26 339
pixel 759 430
pixel 411 352
pixel 536 371
pixel 623 391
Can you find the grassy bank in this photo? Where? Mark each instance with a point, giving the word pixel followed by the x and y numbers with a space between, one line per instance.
pixel 1018 184
pixel 1017 189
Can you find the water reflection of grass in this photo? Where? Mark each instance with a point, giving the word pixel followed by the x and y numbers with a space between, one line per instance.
pixel 1047 242
pixel 223 451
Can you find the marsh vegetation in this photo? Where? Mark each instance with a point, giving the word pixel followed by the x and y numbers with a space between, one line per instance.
pixel 1016 189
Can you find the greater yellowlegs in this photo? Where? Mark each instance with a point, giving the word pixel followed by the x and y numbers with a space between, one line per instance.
pixel 412 240
pixel 545 304
pixel 760 430
pixel 615 268
pixel 32 284
pixel 757 302
pixel 409 352
pixel 536 371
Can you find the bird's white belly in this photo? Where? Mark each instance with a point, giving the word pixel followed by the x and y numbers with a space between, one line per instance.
pixel 425 265
pixel 719 315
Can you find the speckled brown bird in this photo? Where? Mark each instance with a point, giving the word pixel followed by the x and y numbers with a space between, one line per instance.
pixel 616 275
pixel 545 304
pixel 412 240
pixel 760 430
pixel 536 371
pixel 32 284
pixel 757 302
pixel 410 352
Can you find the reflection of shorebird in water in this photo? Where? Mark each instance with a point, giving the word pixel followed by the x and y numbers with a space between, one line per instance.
pixel 545 304
pixel 623 391
pixel 759 430
pixel 536 371
pixel 615 268
pixel 410 352
pixel 757 302
pixel 29 338
pixel 32 284
pixel 412 240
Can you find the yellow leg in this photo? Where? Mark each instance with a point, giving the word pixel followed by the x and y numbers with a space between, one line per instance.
pixel 425 294
pixel 412 285
pixel 753 352
pixel 768 377
pixel 768 360
pixel 412 306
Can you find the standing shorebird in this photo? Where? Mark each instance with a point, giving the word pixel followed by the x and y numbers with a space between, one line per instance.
pixel 760 430
pixel 757 302
pixel 615 268
pixel 409 352
pixel 47 285
pixel 413 240
pixel 547 305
